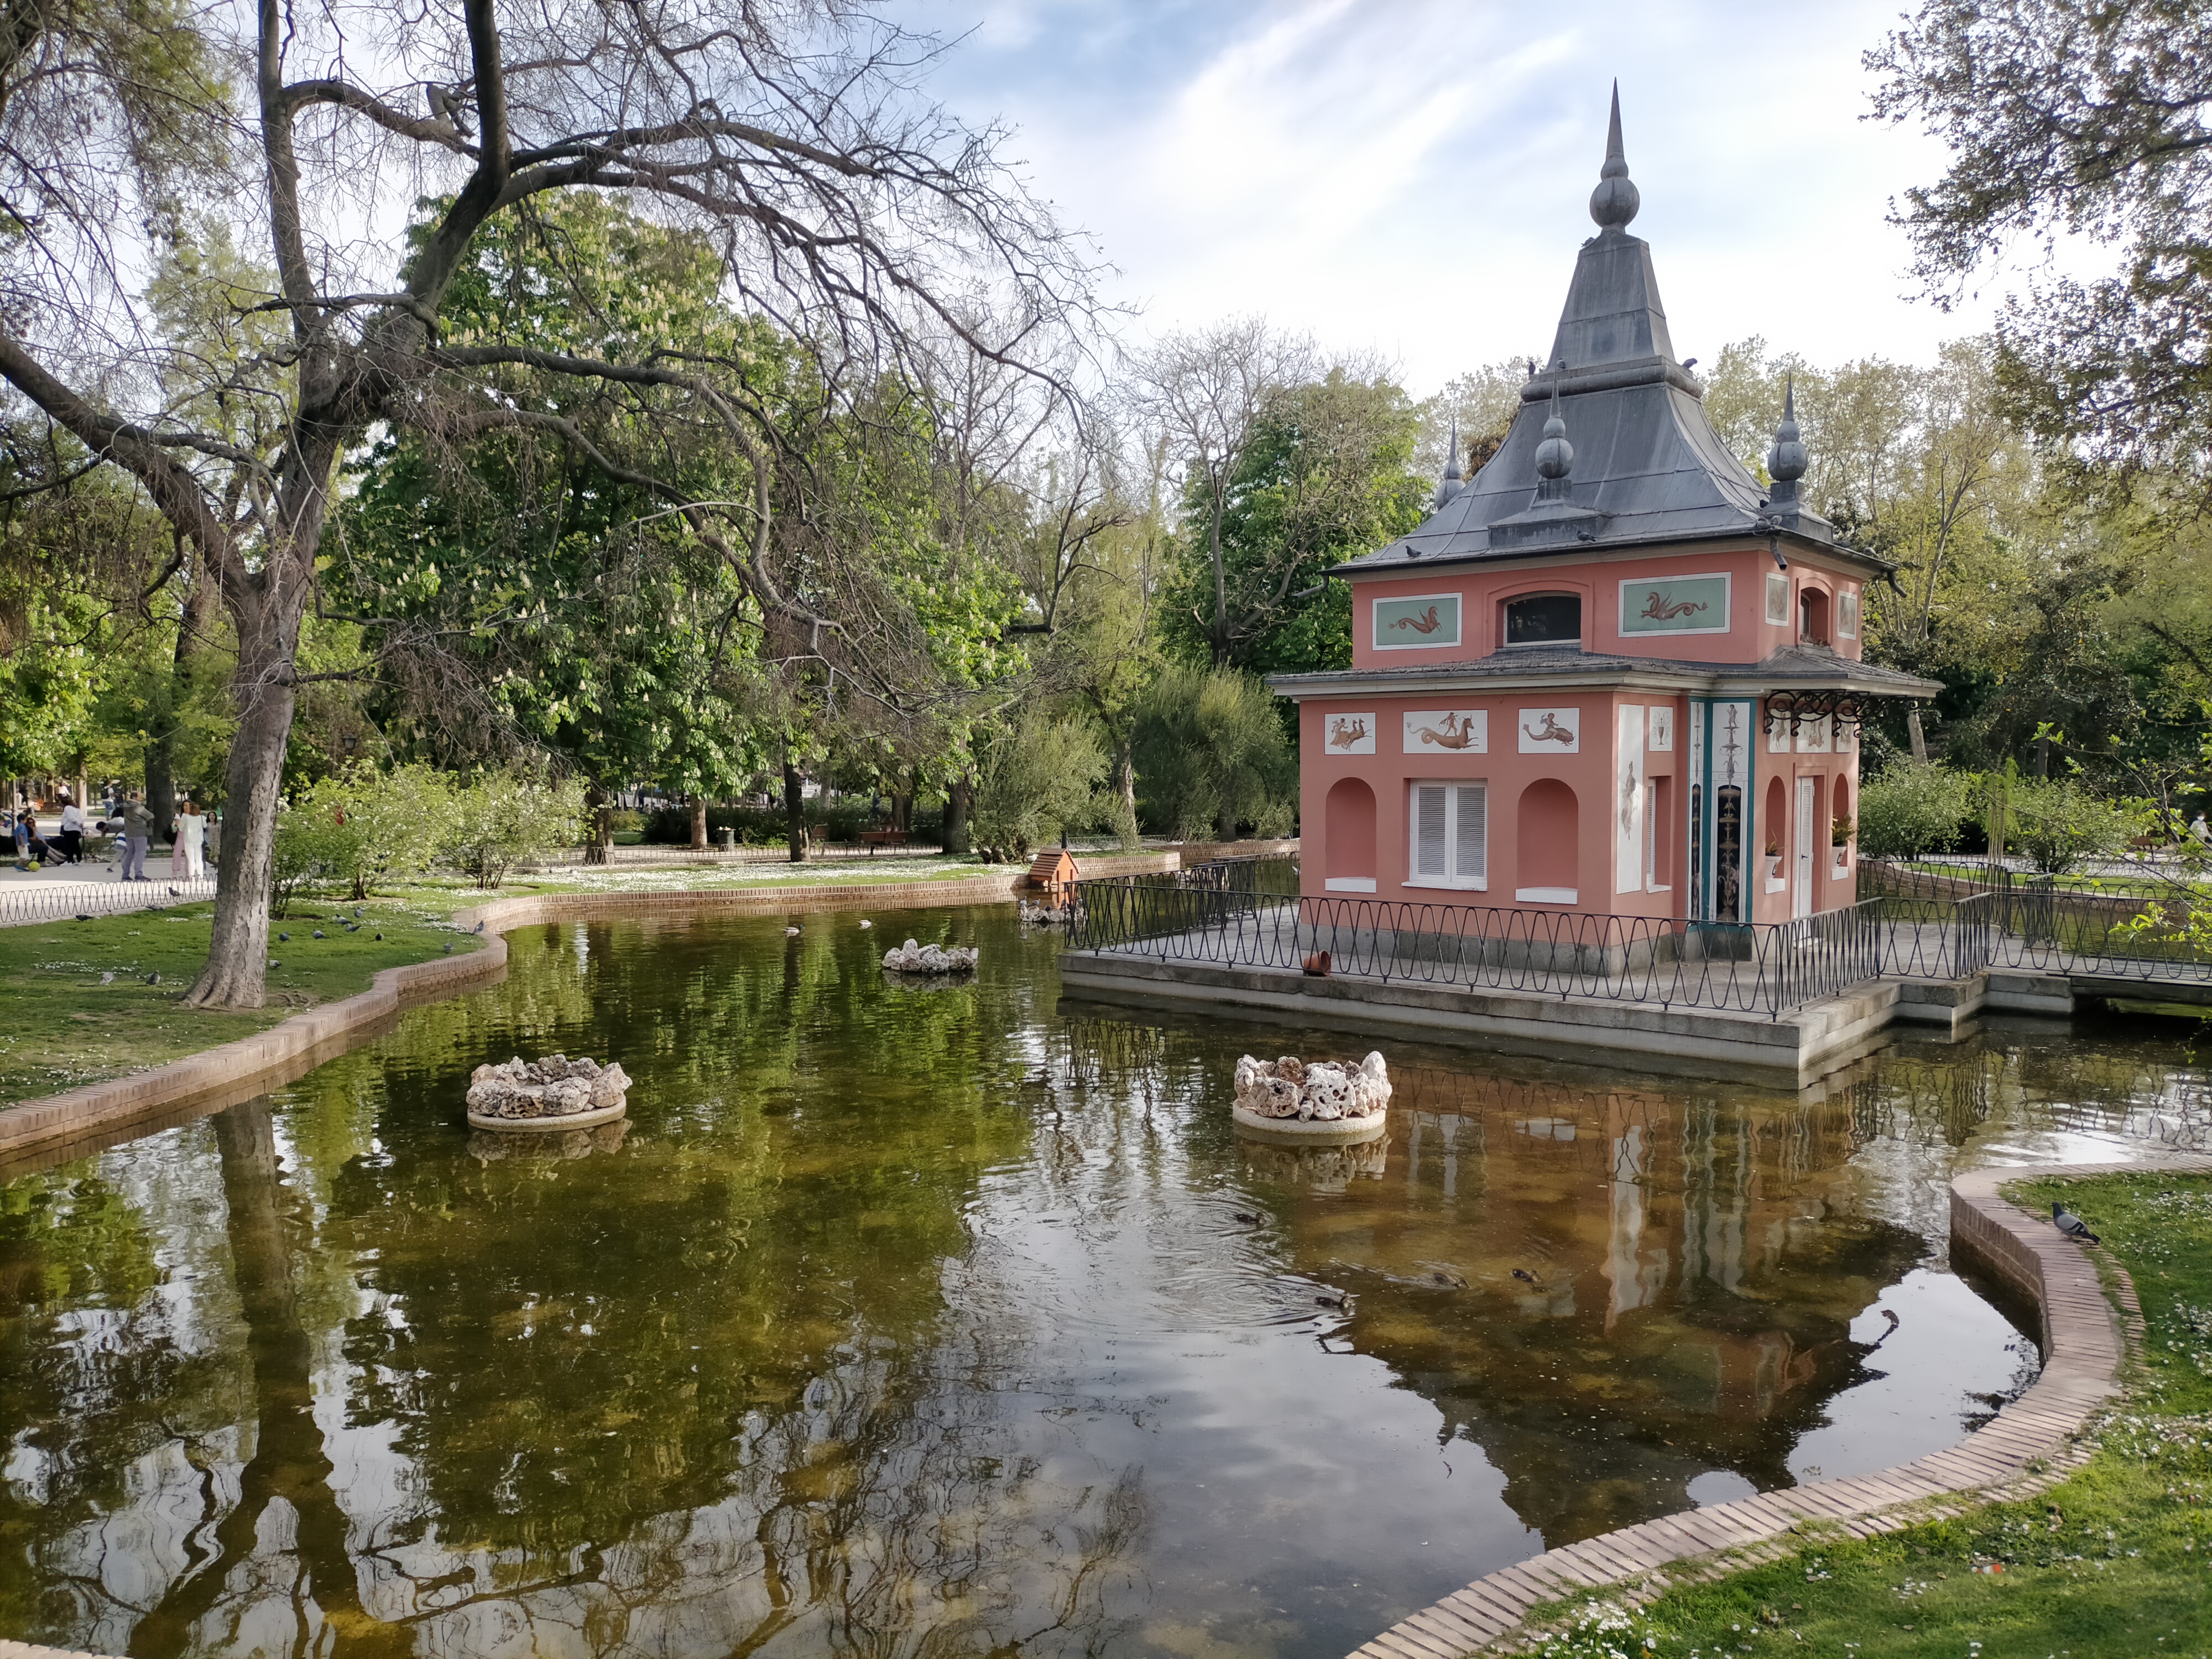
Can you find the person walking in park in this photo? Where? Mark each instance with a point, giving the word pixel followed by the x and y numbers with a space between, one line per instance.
pixel 188 858
pixel 214 839
pixel 138 830
pixel 69 841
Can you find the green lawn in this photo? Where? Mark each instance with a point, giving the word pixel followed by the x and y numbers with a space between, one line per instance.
pixel 99 998
pixel 63 1025
pixel 2116 1561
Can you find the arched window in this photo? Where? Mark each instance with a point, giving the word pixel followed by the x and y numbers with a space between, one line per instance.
pixel 1544 619
pixel 1546 844
pixel 1812 616
pixel 1774 831
pixel 1348 837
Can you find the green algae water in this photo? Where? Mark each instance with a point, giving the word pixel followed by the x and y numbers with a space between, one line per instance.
pixel 960 1322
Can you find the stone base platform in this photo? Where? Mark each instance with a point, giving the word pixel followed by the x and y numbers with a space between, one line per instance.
pixel 1802 1045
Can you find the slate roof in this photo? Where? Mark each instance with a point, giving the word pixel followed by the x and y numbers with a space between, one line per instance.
pixel 1792 668
pixel 1647 467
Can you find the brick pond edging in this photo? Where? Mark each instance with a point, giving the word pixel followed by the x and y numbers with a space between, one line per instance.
pixel 66 1125
pixel 2029 1443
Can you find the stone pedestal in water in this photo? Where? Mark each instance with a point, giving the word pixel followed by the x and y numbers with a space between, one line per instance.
pixel 1324 1102
pixel 537 1095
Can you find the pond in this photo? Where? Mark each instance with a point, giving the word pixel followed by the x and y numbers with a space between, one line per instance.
pixel 962 1322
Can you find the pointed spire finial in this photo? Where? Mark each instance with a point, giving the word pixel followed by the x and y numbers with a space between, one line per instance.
pixel 1614 202
pixel 1449 487
pixel 1787 460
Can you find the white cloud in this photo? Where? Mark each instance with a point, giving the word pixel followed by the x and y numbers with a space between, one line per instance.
pixel 1411 176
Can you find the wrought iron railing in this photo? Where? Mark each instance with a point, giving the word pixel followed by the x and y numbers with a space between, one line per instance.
pixel 1904 924
pixel 2034 923
pixel 58 901
pixel 1253 917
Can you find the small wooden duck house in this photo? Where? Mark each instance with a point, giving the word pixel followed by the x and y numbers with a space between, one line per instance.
pixel 1054 873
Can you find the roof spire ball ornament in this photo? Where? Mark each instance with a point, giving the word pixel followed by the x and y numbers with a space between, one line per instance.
pixel 1614 202
pixel 1786 461
pixel 1454 478
pixel 1555 455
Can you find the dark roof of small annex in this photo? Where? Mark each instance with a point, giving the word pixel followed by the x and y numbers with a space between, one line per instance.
pixel 1645 465
pixel 1791 668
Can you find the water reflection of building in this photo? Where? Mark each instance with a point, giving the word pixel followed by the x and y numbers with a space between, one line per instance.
pixel 1611 1291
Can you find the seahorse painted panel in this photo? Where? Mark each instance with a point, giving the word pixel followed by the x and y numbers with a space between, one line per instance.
pixel 1676 604
pixel 1425 620
pixel 1447 731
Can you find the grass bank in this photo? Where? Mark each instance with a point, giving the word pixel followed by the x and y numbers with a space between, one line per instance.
pixel 89 1000
pixel 2115 1561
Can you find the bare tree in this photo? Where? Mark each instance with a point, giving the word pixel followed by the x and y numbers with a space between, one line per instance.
pixel 1205 392
pixel 847 211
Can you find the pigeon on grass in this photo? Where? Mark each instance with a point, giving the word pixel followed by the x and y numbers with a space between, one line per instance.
pixel 2071 1224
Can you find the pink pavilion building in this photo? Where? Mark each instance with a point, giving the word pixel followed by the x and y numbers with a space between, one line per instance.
pixel 1611 673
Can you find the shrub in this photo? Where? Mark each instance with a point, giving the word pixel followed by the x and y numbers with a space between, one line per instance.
pixel 357 828
pixel 2057 824
pixel 1913 808
pixel 1211 754
pixel 503 820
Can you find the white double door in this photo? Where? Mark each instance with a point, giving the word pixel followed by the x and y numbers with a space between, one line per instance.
pixel 1809 804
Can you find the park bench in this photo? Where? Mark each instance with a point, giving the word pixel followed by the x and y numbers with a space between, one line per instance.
pixel 872 839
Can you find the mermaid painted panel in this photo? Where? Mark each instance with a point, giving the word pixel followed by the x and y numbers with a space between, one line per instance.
pixel 1424 620
pixel 1676 604
pixel 1447 731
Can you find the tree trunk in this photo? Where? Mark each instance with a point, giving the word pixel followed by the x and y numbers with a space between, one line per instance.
pixel 698 824
pixel 1227 828
pixel 795 810
pixel 161 782
pixel 602 825
pixel 959 798
pixel 1920 740
pixel 267 615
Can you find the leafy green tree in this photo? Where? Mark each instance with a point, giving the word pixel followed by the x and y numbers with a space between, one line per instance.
pixel 2089 120
pixel 853 216
pixel 363 826
pixel 1212 755
pixel 1040 777
pixel 1325 475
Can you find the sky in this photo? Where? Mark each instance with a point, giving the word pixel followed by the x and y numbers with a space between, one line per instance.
pixel 1411 177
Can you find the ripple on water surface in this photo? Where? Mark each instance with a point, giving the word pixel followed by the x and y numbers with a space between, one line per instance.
pixel 956 1322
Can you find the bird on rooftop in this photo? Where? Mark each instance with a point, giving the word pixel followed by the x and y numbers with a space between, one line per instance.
pixel 2071 1224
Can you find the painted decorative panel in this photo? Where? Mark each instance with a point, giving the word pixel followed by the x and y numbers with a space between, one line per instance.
pixel 1628 803
pixel 1812 734
pixel 1551 730
pixel 1428 619
pixel 1447 730
pixel 1847 614
pixel 1676 604
pixel 1349 734
pixel 1778 599
pixel 1662 738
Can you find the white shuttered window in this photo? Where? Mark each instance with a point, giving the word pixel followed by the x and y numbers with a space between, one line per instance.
pixel 1450 824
